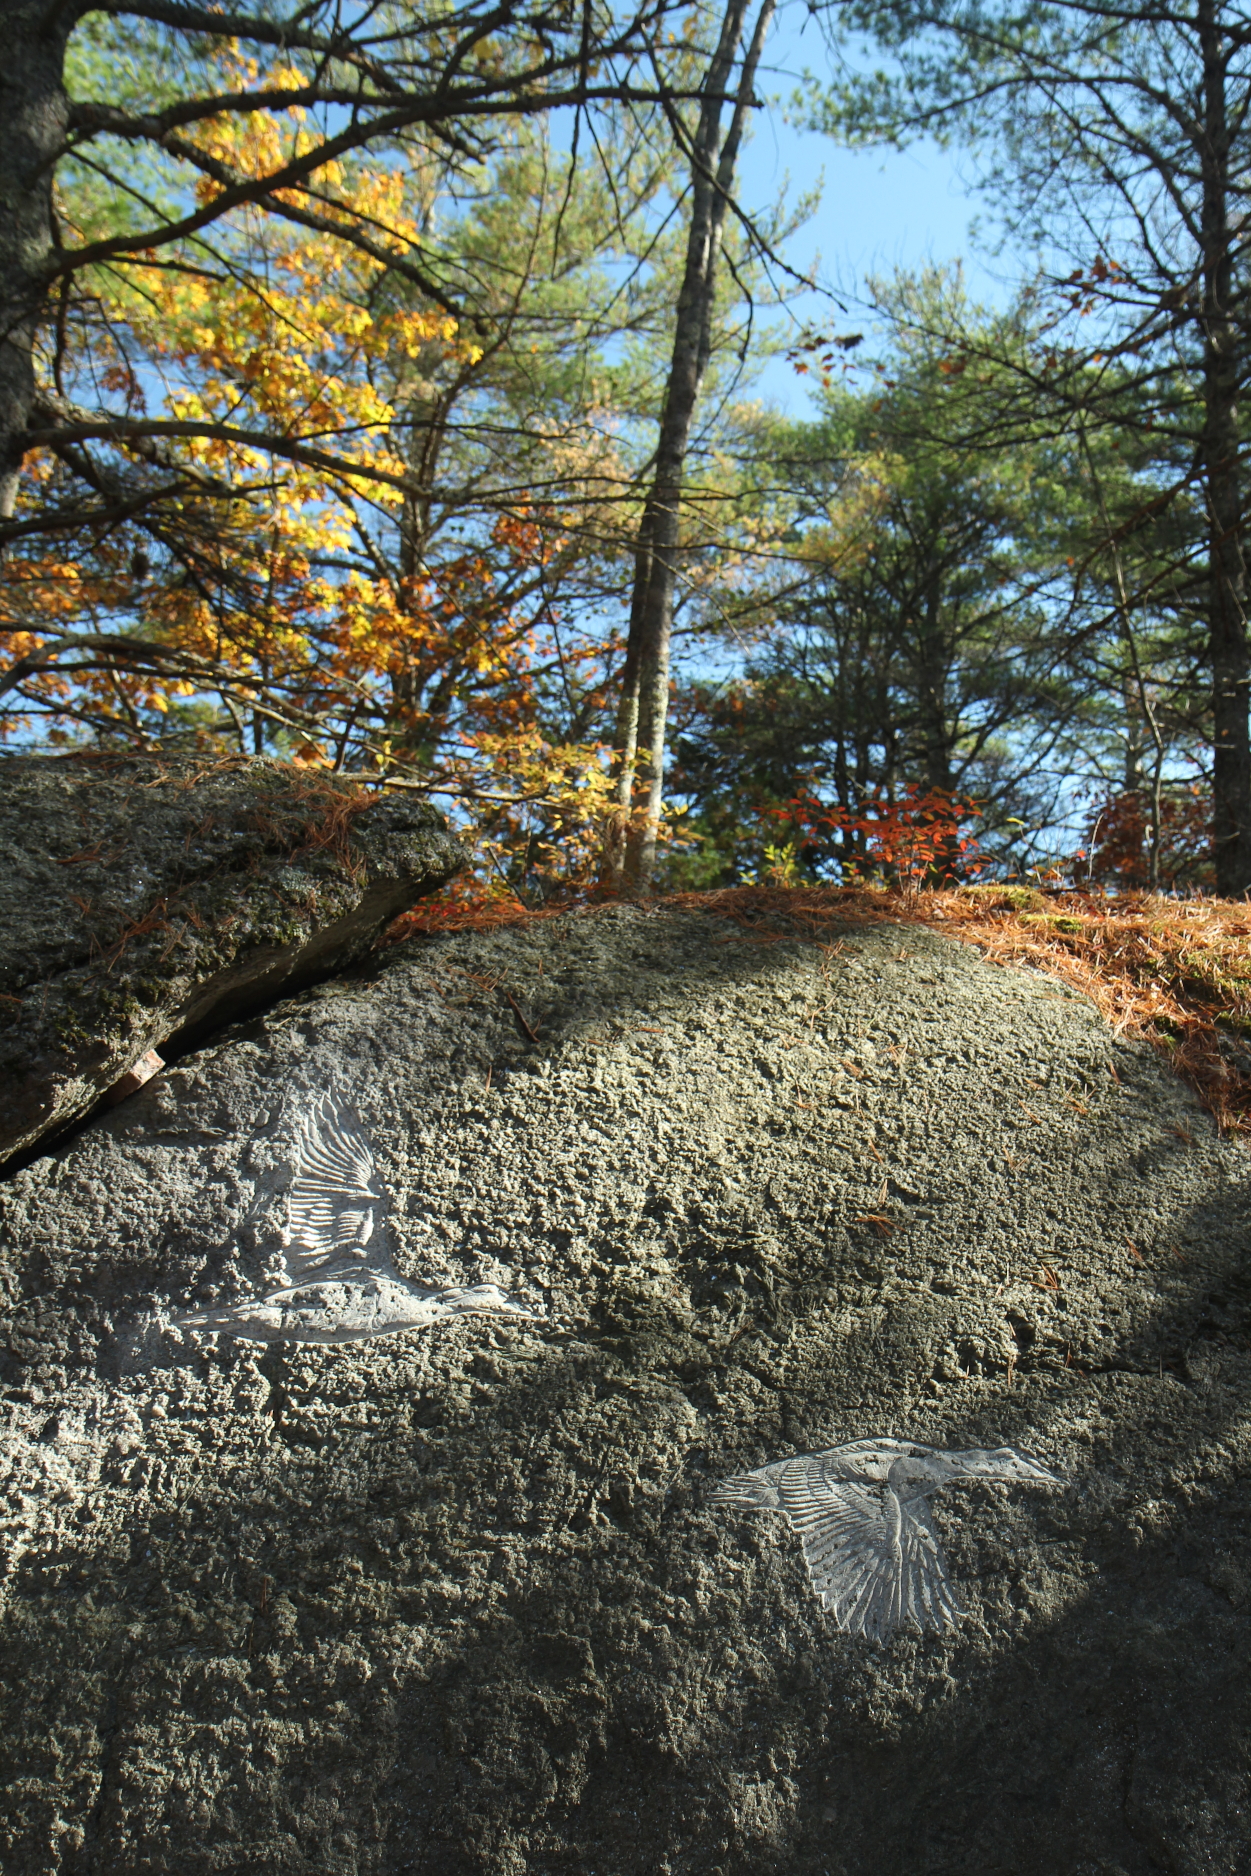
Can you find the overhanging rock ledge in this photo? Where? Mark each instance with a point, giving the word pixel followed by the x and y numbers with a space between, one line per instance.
pixel 144 901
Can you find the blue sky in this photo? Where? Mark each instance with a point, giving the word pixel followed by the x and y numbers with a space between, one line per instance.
pixel 881 210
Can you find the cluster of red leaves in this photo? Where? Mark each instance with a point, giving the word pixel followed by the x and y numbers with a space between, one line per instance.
pixel 469 904
pixel 910 840
pixel 1121 833
pixel 1176 973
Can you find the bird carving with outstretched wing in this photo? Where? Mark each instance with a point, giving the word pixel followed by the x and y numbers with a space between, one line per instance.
pixel 863 1518
pixel 338 1282
pixel 337 1204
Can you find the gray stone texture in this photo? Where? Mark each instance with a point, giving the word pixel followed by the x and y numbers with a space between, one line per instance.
pixel 144 900
pixel 456 1601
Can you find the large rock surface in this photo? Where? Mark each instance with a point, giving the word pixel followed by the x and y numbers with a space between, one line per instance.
pixel 144 900
pixel 456 1601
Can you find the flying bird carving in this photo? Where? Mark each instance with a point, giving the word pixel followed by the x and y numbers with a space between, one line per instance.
pixel 863 1516
pixel 340 1284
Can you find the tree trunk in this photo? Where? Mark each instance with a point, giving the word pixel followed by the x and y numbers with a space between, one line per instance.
pixel 1231 766
pixel 1135 748
pixel 34 114
pixel 411 710
pixel 645 680
pixel 933 670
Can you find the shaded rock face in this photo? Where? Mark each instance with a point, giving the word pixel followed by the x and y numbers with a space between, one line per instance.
pixel 144 900
pixel 457 1601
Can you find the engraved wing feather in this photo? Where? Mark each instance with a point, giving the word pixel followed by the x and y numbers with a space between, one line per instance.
pixel 335 1197
pixel 876 1576
pixel 875 1562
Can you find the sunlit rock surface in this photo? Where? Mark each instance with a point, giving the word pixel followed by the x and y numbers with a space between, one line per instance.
pixel 457 1599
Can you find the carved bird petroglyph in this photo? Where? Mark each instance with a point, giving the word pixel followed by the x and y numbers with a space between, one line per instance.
pixel 340 1283
pixel 862 1512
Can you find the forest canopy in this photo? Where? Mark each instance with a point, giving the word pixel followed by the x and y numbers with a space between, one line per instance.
pixel 377 392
